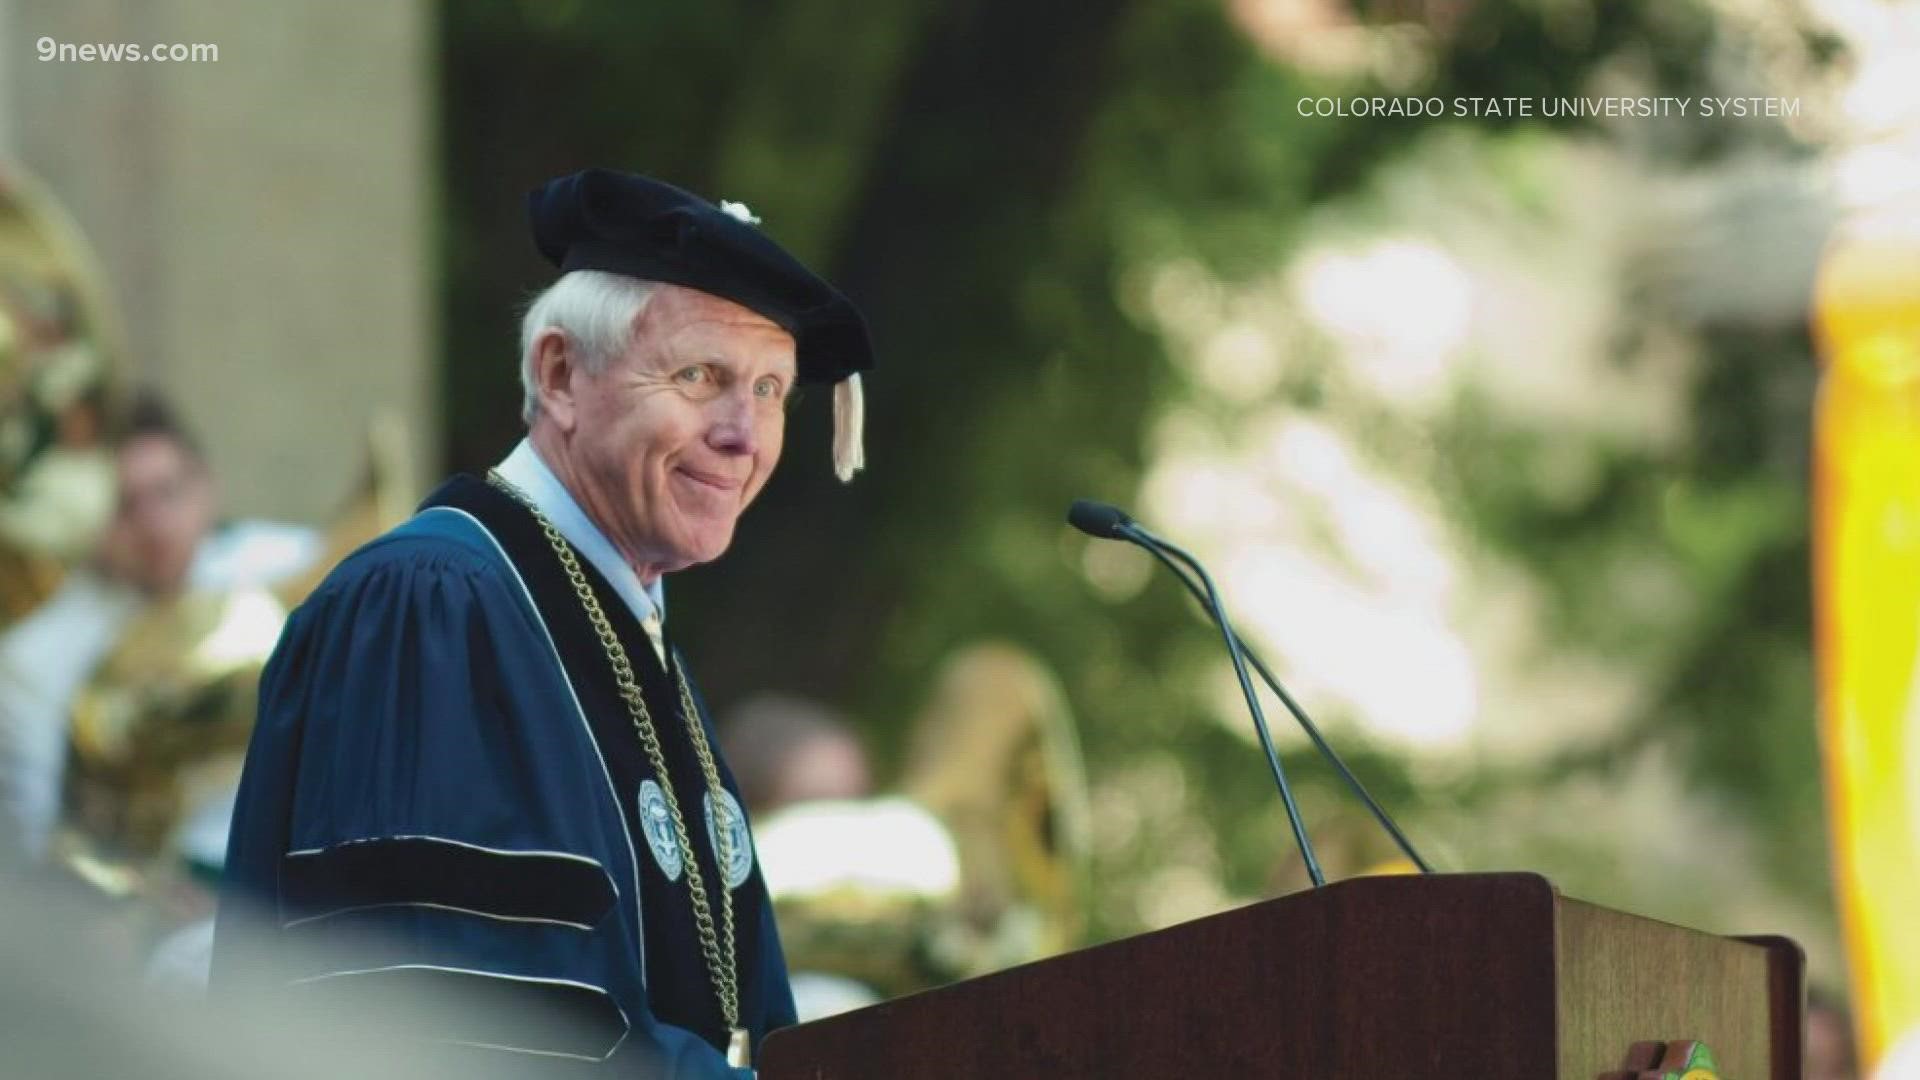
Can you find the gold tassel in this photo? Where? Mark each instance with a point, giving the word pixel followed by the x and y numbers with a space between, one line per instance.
pixel 849 422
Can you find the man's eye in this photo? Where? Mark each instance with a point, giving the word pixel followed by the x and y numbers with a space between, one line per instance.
pixel 692 376
pixel 768 388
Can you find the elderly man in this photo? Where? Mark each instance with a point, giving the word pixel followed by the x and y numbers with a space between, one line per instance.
pixel 480 763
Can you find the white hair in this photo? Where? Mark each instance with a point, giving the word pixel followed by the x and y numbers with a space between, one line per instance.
pixel 596 310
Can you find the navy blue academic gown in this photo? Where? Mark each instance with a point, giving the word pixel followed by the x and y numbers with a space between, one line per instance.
pixel 444 792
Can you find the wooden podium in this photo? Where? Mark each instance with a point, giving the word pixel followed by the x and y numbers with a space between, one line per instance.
pixel 1445 977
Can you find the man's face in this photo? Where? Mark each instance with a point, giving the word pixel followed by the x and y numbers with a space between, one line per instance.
pixel 672 440
pixel 166 509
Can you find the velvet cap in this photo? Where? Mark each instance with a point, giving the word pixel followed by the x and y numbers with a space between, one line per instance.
pixel 623 223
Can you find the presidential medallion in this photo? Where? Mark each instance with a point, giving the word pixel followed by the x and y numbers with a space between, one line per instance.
pixel 739 849
pixel 656 820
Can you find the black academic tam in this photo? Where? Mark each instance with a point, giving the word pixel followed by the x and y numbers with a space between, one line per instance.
pixel 599 219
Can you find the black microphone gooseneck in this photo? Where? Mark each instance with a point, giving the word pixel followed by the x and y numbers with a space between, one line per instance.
pixel 1307 725
pixel 1101 520
pixel 1108 522
pixel 1161 549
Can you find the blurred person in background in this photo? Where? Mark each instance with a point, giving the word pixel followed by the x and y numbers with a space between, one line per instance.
pixel 481 765
pixel 1830 1049
pixel 972 861
pixel 786 750
pixel 794 755
pixel 126 696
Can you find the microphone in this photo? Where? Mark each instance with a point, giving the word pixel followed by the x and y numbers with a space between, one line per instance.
pixel 1101 520
pixel 1097 519
pixel 1136 534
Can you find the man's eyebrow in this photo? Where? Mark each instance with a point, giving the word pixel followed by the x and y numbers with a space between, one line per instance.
pixel 789 371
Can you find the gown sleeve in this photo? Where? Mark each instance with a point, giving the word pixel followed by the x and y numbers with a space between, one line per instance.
pixel 422 816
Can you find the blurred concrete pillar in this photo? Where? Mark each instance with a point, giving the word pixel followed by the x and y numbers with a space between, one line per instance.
pixel 265 217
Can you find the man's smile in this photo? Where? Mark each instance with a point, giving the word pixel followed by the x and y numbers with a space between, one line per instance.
pixel 716 481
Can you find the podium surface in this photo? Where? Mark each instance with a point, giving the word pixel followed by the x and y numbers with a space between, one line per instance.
pixel 1469 976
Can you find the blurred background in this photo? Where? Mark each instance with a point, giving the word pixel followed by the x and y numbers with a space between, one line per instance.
pixel 1498 431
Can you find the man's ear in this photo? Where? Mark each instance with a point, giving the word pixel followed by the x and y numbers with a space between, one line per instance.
pixel 554 366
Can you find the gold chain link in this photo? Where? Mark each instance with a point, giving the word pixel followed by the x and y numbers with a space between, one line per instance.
pixel 718 946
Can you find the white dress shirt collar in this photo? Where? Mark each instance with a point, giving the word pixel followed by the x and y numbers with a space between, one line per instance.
pixel 524 470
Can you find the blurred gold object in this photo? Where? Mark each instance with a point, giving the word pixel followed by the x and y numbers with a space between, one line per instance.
pixel 995 767
pixel 165 720
pixel 1867 631
pixel 995 758
pixel 60 378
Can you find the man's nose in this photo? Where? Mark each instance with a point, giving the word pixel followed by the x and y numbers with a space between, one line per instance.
pixel 733 430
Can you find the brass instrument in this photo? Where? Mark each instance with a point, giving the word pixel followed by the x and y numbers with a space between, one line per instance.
pixel 60 365
pixel 161 727
pixel 996 758
pixel 977 865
